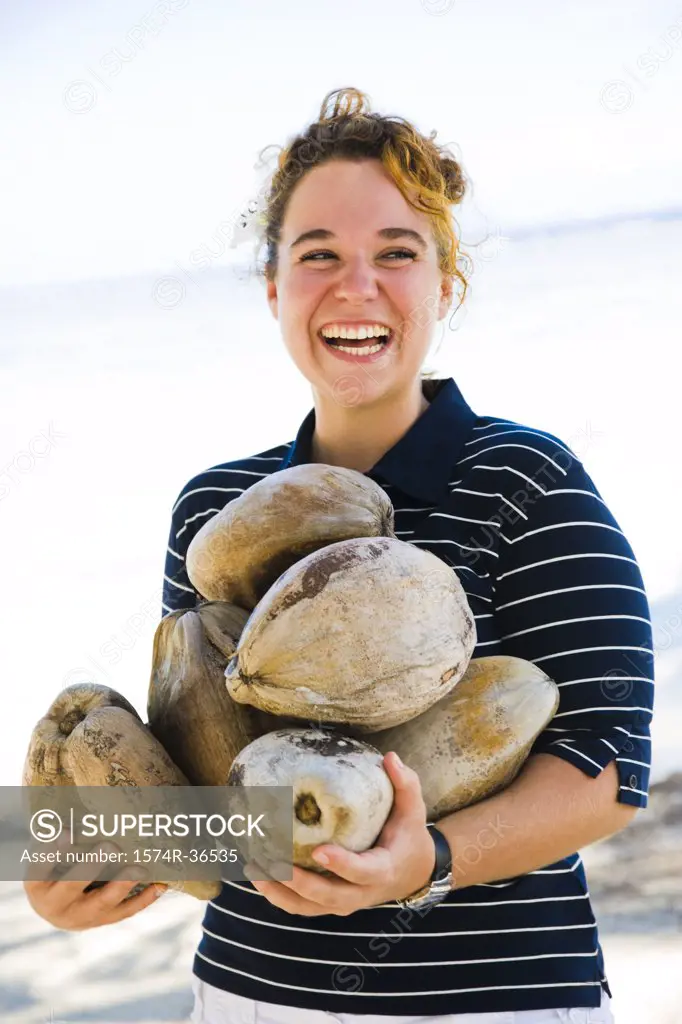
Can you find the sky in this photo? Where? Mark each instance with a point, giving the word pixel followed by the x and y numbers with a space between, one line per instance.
pixel 131 132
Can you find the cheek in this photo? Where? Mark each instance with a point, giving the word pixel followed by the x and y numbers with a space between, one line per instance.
pixel 304 290
pixel 296 329
pixel 422 319
pixel 417 300
pixel 300 310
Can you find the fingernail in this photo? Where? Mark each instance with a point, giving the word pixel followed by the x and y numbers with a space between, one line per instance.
pixel 159 890
pixel 321 858
pixel 398 761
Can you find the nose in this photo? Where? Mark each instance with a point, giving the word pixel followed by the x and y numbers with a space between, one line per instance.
pixel 357 282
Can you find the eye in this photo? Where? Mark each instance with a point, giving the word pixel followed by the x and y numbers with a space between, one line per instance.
pixel 402 253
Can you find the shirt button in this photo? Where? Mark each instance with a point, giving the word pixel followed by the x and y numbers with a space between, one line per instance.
pixel 633 782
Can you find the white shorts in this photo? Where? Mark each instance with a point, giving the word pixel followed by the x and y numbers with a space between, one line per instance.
pixel 214 1006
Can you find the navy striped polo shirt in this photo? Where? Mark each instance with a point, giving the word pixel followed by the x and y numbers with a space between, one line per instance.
pixel 551 578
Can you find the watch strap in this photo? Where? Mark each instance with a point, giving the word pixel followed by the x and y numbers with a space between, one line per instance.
pixel 443 865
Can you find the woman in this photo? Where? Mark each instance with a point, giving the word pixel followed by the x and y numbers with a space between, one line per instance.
pixel 359 239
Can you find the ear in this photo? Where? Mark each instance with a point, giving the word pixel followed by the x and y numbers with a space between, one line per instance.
pixel 446 292
pixel 271 289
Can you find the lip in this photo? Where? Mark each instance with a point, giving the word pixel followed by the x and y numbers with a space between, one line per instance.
pixel 351 358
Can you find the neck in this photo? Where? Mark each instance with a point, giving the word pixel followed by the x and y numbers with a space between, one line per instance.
pixel 357 437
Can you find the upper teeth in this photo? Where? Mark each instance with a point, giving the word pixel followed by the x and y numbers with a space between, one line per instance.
pixel 355 333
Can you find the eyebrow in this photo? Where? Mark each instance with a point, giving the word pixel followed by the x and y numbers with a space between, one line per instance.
pixel 382 233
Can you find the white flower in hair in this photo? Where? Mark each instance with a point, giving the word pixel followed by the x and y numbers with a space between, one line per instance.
pixel 249 223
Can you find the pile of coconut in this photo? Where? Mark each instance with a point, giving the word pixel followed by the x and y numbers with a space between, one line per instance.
pixel 322 642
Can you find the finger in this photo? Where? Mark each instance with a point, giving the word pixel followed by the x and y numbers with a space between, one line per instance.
pixel 280 896
pixel 406 784
pixel 285 873
pixel 408 801
pixel 112 893
pixel 126 907
pixel 66 887
pixel 46 871
pixel 370 868
pixel 42 871
pixel 331 892
pixel 262 869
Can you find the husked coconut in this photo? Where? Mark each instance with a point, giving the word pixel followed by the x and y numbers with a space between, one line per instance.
pixel 92 736
pixel 111 748
pixel 341 791
pixel 188 707
pixel 366 633
pixel 474 741
pixel 239 553
pixel 43 762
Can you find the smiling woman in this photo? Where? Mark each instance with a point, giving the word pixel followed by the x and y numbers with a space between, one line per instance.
pixel 362 262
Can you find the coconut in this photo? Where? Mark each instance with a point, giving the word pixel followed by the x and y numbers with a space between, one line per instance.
pixel 341 791
pixel 239 553
pixel 367 633
pixel 474 741
pixel 189 709
pixel 92 736
pixel 43 765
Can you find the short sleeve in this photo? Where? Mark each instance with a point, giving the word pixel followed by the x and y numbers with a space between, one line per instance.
pixel 178 592
pixel 569 596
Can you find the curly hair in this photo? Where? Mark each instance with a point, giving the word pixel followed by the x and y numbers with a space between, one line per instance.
pixel 427 175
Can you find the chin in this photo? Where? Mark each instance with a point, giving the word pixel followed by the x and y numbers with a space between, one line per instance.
pixel 354 383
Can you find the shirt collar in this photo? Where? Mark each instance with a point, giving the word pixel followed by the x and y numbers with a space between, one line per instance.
pixel 419 464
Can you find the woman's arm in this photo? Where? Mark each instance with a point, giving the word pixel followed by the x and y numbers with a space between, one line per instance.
pixel 569 597
pixel 550 810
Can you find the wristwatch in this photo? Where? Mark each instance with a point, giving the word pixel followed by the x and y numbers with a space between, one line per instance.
pixel 440 883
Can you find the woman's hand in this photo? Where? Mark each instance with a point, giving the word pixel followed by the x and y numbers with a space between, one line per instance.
pixel 65 905
pixel 400 863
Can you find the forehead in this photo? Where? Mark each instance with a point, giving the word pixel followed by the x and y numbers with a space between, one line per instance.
pixel 345 196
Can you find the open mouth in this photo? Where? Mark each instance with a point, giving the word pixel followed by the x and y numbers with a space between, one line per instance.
pixel 356 347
